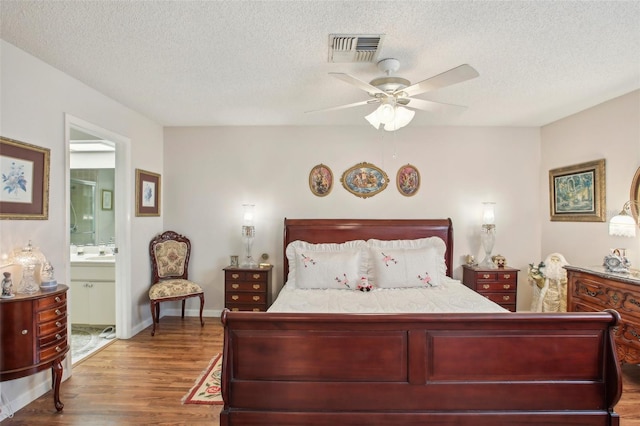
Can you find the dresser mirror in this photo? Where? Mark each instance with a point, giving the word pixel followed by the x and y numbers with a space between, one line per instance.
pixel 635 194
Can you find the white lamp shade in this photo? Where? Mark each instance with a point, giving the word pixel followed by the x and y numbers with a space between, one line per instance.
pixel 488 213
pixel 622 225
pixel 402 118
pixel 247 216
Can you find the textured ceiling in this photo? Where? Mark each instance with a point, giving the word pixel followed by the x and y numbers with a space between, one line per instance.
pixel 185 63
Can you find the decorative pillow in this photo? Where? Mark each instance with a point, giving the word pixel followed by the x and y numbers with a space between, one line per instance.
pixel 329 265
pixel 407 263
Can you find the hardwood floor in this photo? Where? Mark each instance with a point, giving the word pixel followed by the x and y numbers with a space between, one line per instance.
pixel 142 381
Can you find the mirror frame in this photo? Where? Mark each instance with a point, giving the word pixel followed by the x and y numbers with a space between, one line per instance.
pixel 634 195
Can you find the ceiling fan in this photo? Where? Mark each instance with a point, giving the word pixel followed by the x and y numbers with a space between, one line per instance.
pixel 394 93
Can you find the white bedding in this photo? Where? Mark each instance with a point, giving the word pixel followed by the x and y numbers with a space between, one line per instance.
pixel 451 296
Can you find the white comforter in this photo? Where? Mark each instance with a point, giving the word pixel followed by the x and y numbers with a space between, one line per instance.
pixel 452 296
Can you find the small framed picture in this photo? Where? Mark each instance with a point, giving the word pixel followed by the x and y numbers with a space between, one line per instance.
pixel 321 180
pixel 364 180
pixel 24 169
pixel 107 199
pixel 147 193
pixel 408 180
pixel 577 193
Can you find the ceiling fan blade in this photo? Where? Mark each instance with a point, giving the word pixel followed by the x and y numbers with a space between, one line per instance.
pixel 358 83
pixel 431 106
pixel 453 76
pixel 355 104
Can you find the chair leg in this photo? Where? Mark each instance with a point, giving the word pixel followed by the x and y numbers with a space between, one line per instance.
pixel 183 303
pixel 201 308
pixel 154 317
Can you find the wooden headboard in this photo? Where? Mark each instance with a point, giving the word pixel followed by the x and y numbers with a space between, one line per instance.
pixel 341 230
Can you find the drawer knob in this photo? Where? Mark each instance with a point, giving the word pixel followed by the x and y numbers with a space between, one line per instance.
pixel 256 309
pixel 507 276
pixel 256 276
pixel 58 324
pixel 486 276
pixel 235 286
pixel 234 297
pixel 486 286
pixel 235 309
pixel 256 286
pixel 58 336
pixel 256 298
pixel 506 298
pixel 235 276
pixel 58 349
pixel 506 286
pixel 58 312
pixel 57 299
pixel 25 331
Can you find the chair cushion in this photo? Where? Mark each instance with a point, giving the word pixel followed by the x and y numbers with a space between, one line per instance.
pixel 170 257
pixel 173 288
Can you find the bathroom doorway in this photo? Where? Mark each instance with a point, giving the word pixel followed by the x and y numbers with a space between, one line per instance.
pixel 98 230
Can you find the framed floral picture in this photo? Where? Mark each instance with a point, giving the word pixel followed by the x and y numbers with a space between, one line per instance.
pixel 408 180
pixel 24 169
pixel 577 193
pixel 321 180
pixel 147 193
pixel 364 180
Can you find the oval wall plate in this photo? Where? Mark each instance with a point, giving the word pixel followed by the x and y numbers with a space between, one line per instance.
pixel 364 180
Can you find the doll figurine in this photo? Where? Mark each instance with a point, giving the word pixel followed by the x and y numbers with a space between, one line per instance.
pixel 7 286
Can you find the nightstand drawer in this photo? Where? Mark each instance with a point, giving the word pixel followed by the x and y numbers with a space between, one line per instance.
pixel 501 298
pixel 254 276
pixel 245 286
pixel 250 308
pixel 493 286
pixel 245 298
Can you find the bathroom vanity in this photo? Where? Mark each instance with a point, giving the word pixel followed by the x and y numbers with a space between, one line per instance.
pixel 93 290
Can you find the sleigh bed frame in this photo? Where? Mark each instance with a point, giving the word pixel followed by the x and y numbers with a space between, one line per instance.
pixel 416 369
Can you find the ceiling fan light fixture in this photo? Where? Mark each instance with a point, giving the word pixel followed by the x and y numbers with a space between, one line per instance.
pixel 402 118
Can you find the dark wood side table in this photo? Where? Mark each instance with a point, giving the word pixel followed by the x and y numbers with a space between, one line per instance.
pixel 247 289
pixel 33 336
pixel 500 285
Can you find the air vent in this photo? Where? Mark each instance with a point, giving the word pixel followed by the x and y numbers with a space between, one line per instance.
pixel 354 48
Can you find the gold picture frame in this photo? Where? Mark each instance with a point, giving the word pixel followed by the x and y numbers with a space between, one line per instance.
pixel 24 170
pixel 408 180
pixel 320 180
pixel 364 180
pixel 147 193
pixel 577 193
pixel 634 195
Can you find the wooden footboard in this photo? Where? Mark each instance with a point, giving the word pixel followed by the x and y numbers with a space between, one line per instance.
pixel 417 369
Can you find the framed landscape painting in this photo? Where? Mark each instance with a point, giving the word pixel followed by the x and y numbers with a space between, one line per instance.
pixel 24 169
pixel 147 193
pixel 577 193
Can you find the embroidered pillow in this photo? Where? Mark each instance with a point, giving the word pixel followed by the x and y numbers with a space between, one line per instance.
pixel 407 263
pixel 329 265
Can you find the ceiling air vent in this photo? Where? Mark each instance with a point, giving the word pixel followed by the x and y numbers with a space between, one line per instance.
pixel 354 48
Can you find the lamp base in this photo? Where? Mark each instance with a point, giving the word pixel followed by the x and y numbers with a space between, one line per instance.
pixel 487 263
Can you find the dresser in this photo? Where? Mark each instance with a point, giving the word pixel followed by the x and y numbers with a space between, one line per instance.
pixel 594 289
pixel 247 289
pixel 33 336
pixel 500 285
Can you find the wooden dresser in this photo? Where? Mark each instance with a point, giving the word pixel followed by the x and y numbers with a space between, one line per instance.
pixel 500 285
pixel 593 289
pixel 247 289
pixel 33 336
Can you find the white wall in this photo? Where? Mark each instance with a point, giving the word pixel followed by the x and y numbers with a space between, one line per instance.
pixel 611 131
pixel 209 172
pixel 34 98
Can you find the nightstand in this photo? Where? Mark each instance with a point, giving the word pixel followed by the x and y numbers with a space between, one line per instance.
pixel 500 285
pixel 247 289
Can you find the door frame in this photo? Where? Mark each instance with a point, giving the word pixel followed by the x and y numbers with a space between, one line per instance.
pixel 122 205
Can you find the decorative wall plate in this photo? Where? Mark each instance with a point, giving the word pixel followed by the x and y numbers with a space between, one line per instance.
pixel 364 180
pixel 321 180
pixel 408 180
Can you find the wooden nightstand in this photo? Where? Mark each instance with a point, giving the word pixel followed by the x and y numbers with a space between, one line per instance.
pixel 500 285
pixel 247 289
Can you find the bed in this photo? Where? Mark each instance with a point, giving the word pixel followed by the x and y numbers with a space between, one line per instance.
pixel 464 368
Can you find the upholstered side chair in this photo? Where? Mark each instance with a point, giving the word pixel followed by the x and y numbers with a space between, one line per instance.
pixel 170 254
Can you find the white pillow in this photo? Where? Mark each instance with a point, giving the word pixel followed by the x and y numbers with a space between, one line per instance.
pixel 407 263
pixel 328 265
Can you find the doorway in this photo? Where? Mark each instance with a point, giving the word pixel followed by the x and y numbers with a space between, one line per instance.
pixel 99 231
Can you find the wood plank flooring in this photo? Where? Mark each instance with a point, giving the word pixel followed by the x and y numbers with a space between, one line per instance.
pixel 142 381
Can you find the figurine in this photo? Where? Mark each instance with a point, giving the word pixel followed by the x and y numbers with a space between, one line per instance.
pixel 7 286
pixel 48 282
